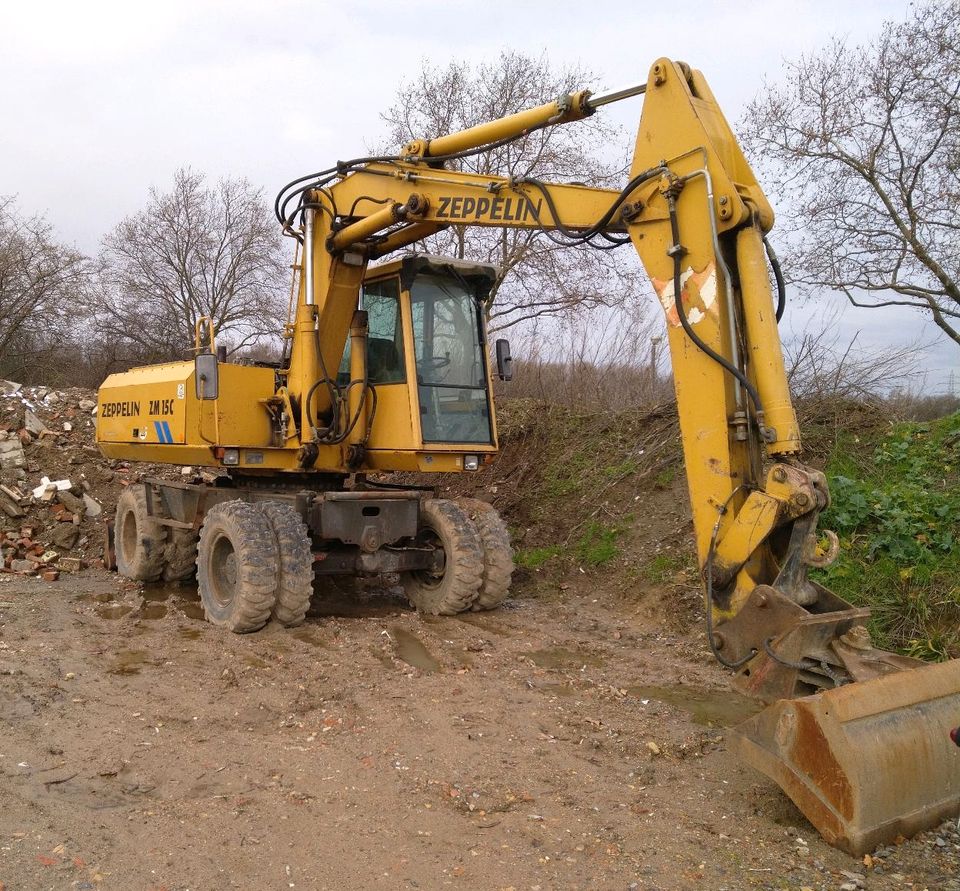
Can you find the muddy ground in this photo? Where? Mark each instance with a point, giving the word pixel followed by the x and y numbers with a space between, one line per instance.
pixel 573 739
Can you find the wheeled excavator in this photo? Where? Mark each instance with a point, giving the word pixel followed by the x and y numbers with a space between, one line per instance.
pixel 387 368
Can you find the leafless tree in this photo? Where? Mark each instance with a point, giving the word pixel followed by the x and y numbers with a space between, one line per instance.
pixel 537 277
pixel 606 358
pixel 865 144
pixel 40 280
pixel 821 364
pixel 196 250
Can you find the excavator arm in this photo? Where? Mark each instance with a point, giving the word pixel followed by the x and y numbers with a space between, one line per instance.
pixel 846 720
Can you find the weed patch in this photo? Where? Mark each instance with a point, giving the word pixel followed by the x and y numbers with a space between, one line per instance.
pixel 898 517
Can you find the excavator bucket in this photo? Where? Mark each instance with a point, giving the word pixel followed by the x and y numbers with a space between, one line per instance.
pixel 868 761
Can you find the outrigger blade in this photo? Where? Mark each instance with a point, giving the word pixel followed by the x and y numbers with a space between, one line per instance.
pixel 868 761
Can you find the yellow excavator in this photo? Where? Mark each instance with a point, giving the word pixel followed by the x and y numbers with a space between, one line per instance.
pixel 387 368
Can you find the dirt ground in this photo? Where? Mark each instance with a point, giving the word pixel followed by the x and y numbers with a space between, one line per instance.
pixel 572 739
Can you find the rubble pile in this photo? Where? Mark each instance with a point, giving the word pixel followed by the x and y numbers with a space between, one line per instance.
pixel 56 488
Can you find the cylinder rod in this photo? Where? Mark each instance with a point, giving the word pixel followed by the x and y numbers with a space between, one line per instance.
pixel 598 99
pixel 309 214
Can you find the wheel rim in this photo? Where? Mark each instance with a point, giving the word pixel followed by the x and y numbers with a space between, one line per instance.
pixel 223 571
pixel 128 536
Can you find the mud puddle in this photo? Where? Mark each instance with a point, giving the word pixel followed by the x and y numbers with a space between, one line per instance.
pixel 410 649
pixel 356 606
pixel 183 597
pixel 721 708
pixel 308 636
pixel 127 662
pixel 113 611
pixel 560 659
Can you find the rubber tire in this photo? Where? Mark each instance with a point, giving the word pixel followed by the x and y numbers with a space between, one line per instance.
pixel 497 553
pixel 295 585
pixel 180 556
pixel 457 589
pixel 237 530
pixel 139 542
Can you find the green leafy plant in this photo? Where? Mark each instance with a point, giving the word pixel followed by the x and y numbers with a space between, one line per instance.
pixel 899 526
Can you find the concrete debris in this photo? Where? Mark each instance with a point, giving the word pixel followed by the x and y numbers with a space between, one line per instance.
pixel 11 454
pixel 47 435
pixel 48 487
pixel 35 425
pixel 92 505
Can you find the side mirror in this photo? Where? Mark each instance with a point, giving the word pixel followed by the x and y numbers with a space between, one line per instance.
pixel 504 360
pixel 206 376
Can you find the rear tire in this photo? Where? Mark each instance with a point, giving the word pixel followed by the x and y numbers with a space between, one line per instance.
pixel 180 556
pixel 497 553
pixel 454 589
pixel 138 540
pixel 295 585
pixel 238 566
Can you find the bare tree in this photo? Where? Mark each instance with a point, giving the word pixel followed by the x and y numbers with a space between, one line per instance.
pixel 40 281
pixel 194 251
pixel 822 365
pixel 865 143
pixel 537 277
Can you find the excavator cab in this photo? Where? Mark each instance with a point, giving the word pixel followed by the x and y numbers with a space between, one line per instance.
pixel 427 356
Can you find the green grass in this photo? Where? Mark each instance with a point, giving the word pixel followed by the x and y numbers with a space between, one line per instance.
pixel 662 568
pixel 534 558
pixel 598 544
pixel 898 517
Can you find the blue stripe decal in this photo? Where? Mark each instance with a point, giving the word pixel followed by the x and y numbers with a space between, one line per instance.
pixel 166 429
pixel 159 429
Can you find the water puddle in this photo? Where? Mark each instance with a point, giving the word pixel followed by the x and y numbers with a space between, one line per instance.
pixel 128 662
pixel 560 659
pixel 307 636
pixel 99 597
pixel 192 611
pixel 151 611
pixel 186 598
pixel 356 606
pixel 158 592
pixel 485 623
pixel 114 611
pixel 410 649
pixel 723 708
pixel 190 633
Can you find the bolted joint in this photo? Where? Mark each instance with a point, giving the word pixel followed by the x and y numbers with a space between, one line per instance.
pixel 416 148
pixel 307 454
pixel 631 210
pixel 417 205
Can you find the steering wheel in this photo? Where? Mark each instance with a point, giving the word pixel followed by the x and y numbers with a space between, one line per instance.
pixel 432 363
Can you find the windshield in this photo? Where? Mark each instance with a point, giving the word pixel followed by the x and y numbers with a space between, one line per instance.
pixel 451 371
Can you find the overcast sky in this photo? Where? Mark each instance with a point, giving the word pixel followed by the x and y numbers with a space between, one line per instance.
pixel 102 100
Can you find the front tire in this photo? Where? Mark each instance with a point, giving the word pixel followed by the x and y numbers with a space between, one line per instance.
pixel 138 540
pixel 497 553
pixel 238 567
pixel 295 584
pixel 447 527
